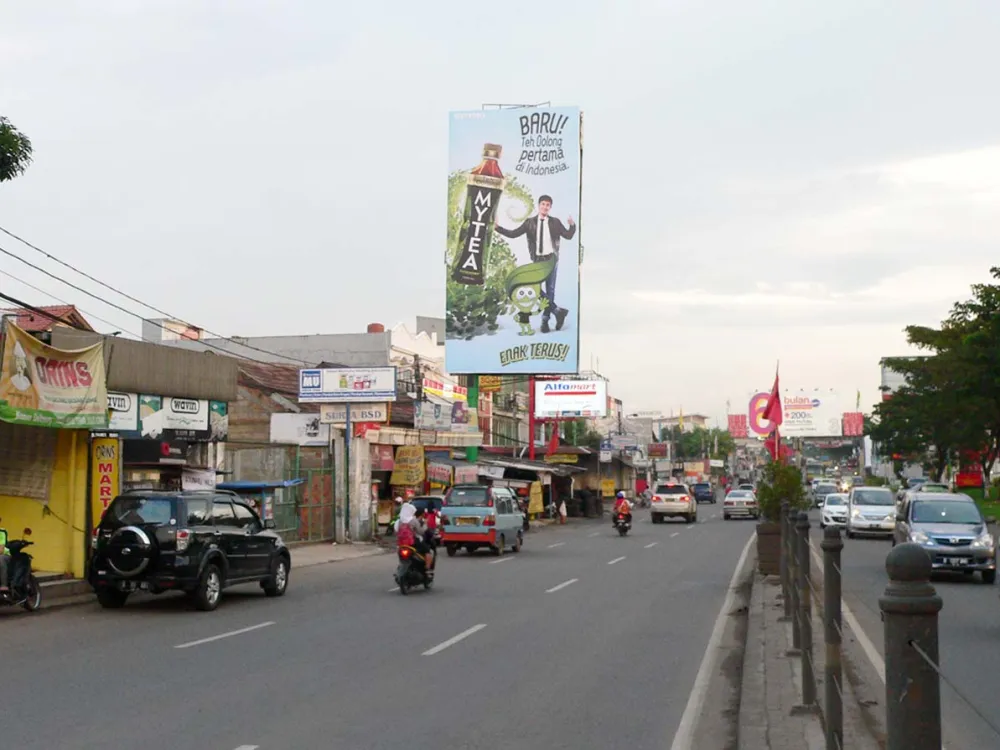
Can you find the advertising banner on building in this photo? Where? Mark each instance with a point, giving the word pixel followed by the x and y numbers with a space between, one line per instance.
pixel 47 387
pixel 854 424
pixel 409 466
pixel 656 450
pixel 738 425
pixel 299 429
pixel 490 383
pixel 342 385
pixel 105 475
pixel 806 414
pixel 513 242
pixel 570 398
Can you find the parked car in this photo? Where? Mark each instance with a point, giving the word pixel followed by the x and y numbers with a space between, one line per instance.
pixel 672 500
pixel 196 542
pixel 703 492
pixel 740 503
pixel 476 516
pixel 872 511
pixel 833 511
pixel 952 530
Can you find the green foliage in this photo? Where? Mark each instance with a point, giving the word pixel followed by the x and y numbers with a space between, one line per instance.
pixel 699 443
pixel 15 151
pixel 781 482
pixel 473 310
pixel 579 433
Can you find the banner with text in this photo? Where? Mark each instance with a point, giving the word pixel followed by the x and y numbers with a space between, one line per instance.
pixel 513 242
pixel 571 398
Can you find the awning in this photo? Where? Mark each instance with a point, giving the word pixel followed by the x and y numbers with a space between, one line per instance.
pixel 560 470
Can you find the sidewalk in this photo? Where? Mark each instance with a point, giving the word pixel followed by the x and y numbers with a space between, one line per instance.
pixel 307 555
pixel 772 683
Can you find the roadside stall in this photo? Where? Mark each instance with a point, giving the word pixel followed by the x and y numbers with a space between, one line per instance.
pixel 274 500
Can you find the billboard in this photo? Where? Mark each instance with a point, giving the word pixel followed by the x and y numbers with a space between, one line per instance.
pixel 341 385
pixel 738 425
pixel 570 398
pixel 804 414
pixel 513 244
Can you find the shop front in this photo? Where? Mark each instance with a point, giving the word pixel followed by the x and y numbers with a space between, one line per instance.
pixel 548 482
pixel 49 400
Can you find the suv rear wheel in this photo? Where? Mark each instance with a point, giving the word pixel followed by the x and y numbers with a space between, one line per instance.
pixel 209 590
pixel 111 598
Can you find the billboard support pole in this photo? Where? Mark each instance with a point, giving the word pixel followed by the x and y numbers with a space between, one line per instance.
pixel 472 394
pixel 531 417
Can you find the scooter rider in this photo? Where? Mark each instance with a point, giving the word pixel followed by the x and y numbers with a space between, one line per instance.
pixel 622 505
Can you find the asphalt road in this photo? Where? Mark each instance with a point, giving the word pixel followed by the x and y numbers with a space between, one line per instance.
pixel 583 640
pixel 969 633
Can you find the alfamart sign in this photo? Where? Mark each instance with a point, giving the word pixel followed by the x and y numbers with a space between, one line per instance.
pixel 571 398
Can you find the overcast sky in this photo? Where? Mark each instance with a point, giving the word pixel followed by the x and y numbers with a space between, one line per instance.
pixel 790 179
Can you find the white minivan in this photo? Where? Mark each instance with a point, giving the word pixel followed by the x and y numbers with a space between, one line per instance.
pixel 871 511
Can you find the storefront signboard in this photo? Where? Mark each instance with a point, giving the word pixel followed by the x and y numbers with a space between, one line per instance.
pixel 155 417
pixel 123 411
pixel 562 458
pixel 299 429
pixel 467 474
pixel 43 386
pixel 440 473
pixel 344 385
pixel 382 459
pixel 409 466
pixel 198 479
pixel 337 413
pixel 105 474
pixel 571 398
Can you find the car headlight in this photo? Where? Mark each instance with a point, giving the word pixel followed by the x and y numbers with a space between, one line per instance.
pixel 856 513
pixel 890 517
pixel 919 537
pixel 983 541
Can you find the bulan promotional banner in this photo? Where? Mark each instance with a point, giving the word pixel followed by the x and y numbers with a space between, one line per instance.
pixel 571 398
pixel 804 414
pixel 513 243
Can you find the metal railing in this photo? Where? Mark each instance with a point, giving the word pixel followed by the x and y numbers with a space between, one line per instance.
pixel 909 607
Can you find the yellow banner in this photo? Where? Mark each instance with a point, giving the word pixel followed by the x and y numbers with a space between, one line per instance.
pixel 408 470
pixel 607 487
pixel 47 387
pixel 535 501
pixel 105 474
pixel 563 458
pixel 490 383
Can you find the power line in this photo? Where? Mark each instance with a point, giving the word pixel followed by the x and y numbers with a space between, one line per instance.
pixel 138 301
pixel 28 263
pixel 58 299
pixel 40 311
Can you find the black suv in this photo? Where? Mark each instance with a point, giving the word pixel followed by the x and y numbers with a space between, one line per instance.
pixel 196 542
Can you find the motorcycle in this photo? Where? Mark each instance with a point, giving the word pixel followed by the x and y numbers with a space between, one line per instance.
pixel 412 570
pixel 24 590
pixel 622 524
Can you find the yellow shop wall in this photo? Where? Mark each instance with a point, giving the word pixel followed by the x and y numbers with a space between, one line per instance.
pixel 59 531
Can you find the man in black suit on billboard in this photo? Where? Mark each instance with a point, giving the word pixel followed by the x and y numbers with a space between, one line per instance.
pixel 544 234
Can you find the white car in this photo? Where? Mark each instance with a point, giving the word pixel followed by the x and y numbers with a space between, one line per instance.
pixel 672 499
pixel 871 510
pixel 740 503
pixel 833 511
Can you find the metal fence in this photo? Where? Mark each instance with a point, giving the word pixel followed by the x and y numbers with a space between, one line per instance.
pixel 909 607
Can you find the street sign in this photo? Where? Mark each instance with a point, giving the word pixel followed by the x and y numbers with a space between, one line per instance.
pixel 605 457
pixel 606 444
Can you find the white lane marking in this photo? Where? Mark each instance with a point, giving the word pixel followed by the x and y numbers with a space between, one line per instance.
pixel 616 560
pixel 220 636
pixel 454 639
pixel 562 585
pixel 390 591
pixel 596 533
pixel 866 645
pixel 248 747
pixel 557 544
pixel 685 730
pixel 651 544
pixel 676 533
pixel 500 560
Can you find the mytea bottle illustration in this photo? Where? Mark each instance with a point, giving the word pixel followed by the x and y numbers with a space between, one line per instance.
pixel 485 186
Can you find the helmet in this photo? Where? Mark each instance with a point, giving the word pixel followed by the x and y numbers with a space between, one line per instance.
pixel 621 495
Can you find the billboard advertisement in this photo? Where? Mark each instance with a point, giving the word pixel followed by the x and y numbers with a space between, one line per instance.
pixel 738 425
pixel 513 244
pixel 342 385
pixel 805 414
pixel 570 398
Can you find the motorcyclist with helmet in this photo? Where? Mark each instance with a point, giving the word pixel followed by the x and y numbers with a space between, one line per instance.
pixel 622 505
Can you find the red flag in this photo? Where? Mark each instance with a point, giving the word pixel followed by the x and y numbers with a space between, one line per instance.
pixel 772 409
pixel 554 442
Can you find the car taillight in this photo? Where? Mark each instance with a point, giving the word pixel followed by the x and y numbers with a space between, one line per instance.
pixel 685 499
pixel 656 499
pixel 183 539
pixel 490 521
pixel 728 502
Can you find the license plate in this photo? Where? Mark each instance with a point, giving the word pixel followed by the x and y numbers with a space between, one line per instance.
pixel 467 521
pixel 956 561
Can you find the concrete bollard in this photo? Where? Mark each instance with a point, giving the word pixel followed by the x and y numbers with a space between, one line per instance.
pixel 910 607
pixel 832 623
pixel 805 611
pixel 786 593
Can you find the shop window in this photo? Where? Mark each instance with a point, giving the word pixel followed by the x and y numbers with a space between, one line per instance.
pixel 27 459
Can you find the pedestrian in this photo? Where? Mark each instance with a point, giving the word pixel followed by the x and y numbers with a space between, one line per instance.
pixel 562 511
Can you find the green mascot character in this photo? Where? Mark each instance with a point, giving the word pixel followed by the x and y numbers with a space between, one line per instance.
pixel 524 289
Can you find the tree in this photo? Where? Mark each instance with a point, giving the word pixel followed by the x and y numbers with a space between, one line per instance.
pixel 579 432
pixel 15 151
pixel 698 443
pixel 781 482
